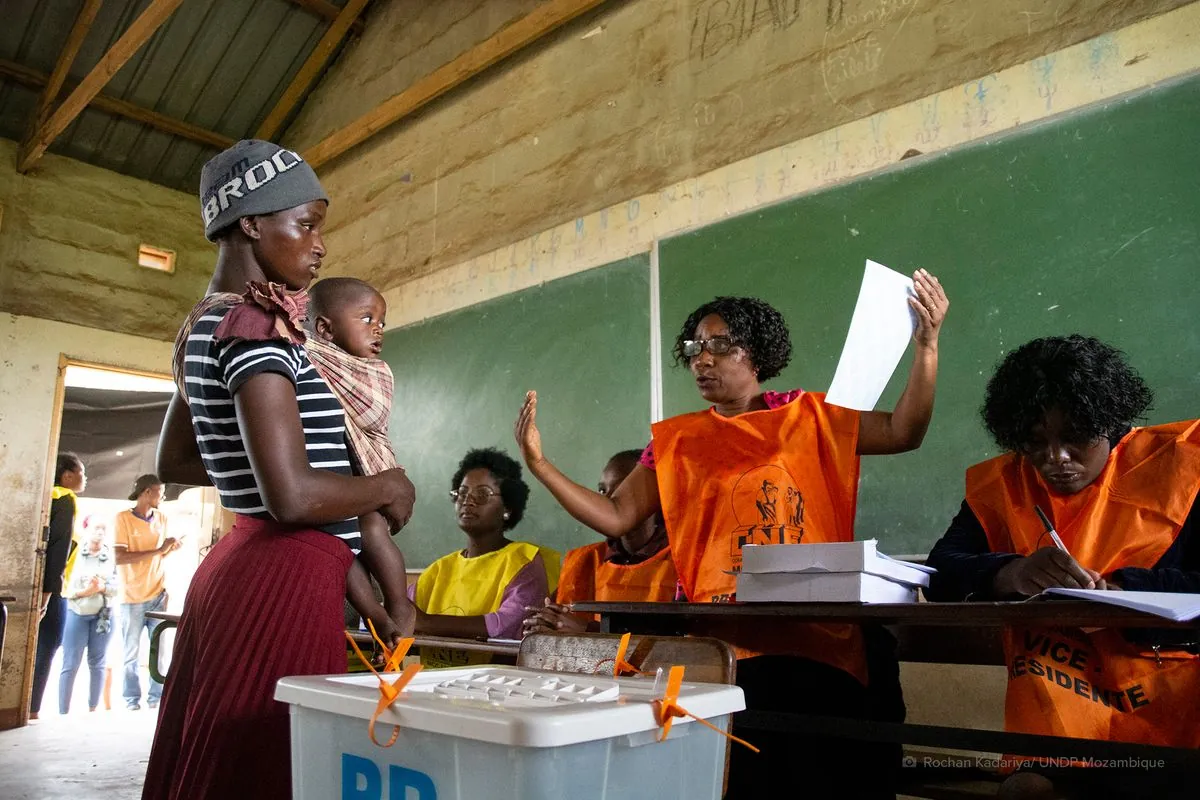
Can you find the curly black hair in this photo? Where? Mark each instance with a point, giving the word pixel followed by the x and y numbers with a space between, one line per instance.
pixel 507 472
pixel 754 324
pixel 1088 380
pixel 67 462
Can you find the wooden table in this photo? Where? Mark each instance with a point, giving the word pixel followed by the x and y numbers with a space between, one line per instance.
pixel 505 651
pixel 1061 613
pixel 934 632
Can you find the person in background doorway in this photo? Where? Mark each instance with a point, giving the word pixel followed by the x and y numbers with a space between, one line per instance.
pixel 69 480
pixel 89 593
pixel 141 543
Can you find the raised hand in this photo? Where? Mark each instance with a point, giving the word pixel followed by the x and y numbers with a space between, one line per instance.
pixel 930 305
pixel 526 431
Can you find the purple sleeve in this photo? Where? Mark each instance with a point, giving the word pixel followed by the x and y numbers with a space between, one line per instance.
pixel 529 588
pixel 781 399
pixel 412 591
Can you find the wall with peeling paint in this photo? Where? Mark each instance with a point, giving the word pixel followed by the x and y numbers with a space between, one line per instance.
pixel 69 241
pixel 538 164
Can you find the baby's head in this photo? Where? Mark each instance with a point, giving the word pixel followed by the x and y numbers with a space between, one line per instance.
pixel 349 313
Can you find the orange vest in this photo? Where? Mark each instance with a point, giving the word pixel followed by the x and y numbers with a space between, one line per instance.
pixel 778 476
pixel 587 576
pixel 1098 685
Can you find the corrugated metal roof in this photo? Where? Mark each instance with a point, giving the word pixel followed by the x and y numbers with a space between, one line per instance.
pixel 218 64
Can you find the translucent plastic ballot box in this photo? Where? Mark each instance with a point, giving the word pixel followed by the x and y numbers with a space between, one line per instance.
pixel 488 733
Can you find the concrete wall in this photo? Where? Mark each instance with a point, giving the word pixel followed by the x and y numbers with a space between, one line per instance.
pixel 631 99
pixel 29 354
pixel 69 240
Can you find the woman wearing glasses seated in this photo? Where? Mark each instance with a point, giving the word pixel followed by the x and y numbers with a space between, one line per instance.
pixel 482 590
pixel 761 467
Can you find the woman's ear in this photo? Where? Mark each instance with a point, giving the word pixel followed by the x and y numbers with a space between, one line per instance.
pixel 249 226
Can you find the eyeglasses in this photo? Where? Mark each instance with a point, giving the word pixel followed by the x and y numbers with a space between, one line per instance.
pixel 479 495
pixel 717 345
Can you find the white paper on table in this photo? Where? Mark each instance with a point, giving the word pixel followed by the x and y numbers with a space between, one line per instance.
pixel 882 325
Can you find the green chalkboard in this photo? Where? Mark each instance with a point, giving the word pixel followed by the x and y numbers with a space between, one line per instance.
pixel 583 342
pixel 1087 223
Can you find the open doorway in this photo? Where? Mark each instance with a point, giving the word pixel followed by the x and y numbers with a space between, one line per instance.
pixel 110 419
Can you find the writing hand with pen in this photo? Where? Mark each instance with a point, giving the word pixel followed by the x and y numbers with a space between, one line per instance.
pixel 1047 568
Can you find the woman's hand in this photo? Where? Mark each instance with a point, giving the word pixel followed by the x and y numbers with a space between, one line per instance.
pixel 526 432
pixel 930 306
pixel 1044 569
pixel 551 617
pixel 398 509
pixel 94 587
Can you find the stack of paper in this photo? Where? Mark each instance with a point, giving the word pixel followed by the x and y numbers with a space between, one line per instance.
pixel 832 572
pixel 1175 606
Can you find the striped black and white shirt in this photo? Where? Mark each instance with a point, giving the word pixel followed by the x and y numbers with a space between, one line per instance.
pixel 213 373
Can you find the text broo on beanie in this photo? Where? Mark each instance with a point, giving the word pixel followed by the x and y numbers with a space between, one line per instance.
pixel 254 177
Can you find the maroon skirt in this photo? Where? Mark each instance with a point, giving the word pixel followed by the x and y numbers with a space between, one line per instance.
pixel 265 603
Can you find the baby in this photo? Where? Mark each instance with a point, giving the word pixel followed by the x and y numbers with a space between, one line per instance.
pixel 345 321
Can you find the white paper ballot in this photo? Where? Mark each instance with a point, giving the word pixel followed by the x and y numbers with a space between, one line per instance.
pixel 882 325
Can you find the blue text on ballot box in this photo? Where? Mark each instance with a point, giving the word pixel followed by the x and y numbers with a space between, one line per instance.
pixel 504 732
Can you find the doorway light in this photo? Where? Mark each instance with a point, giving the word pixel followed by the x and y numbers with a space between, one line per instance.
pixel 114 380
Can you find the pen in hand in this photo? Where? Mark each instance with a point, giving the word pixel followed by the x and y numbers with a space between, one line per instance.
pixel 1050 530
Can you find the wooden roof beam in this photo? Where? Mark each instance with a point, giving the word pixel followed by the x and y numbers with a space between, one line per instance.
pixel 329 11
pixel 110 63
pixel 33 79
pixel 316 61
pixel 79 31
pixel 545 18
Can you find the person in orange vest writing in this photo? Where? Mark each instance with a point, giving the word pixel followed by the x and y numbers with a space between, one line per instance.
pixel 634 568
pixel 1081 499
pixel 724 477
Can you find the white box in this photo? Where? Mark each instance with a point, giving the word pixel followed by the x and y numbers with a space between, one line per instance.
pixel 825 557
pixel 479 733
pixel 821 587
